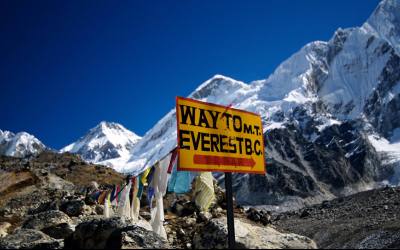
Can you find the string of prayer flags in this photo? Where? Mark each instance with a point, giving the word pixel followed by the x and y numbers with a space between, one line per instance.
pixel 150 194
pixel 140 190
pixel 124 208
pixel 112 196
pixel 117 191
pixel 204 190
pixel 108 212
pixel 172 161
pixel 135 206
pixel 157 213
pixel 172 179
pixel 179 182
pixel 120 192
pixel 163 175
pixel 95 195
pixel 144 176
pixel 151 191
pixel 102 197
pixel 151 174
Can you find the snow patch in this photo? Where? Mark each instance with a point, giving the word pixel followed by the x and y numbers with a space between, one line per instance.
pixel 327 123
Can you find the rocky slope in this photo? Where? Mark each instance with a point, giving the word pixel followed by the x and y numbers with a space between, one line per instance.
pixel 365 220
pixel 19 145
pixel 44 204
pixel 103 143
pixel 27 184
pixel 330 115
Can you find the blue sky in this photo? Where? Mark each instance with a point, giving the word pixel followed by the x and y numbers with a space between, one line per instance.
pixel 67 65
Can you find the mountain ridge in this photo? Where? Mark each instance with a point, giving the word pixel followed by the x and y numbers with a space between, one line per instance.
pixel 106 141
pixel 308 106
pixel 21 144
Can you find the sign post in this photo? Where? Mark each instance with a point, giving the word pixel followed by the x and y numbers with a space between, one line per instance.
pixel 229 210
pixel 217 138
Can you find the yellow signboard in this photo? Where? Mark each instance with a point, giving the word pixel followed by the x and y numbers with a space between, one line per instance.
pixel 218 138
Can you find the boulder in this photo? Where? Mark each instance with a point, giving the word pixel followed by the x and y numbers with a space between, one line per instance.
pixel 214 235
pixel 60 231
pixel 88 210
pixel 99 209
pixel 51 181
pixel 183 208
pixel 54 223
pixel 305 213
pixel 94 233
pixel 29 238
pixel 218 212
pixel 259 216
pixel 4 226
pixel 46 219
pixel 45 206
pixel 144 224
pixel 135 237
pixel 145 215
pixel 73 207
pixel 204 216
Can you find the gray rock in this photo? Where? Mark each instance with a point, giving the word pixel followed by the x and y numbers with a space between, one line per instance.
pixel 60 231
pixel 261 216
pixel 4 226
pixel 145 215
pixel 88 210
pixel 50 205
pixel 46 219
pixel 54 223
pixel 204 216
pixel 73 208
pixel 54 182
pixel 214 235
pixel 29 239
pixel 134 237
pixel 304 214
pixel 99 209
pixel 94 233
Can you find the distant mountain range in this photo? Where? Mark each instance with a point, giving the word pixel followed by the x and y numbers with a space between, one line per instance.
pixel 331 115
pixel 19 145
pixel 106 141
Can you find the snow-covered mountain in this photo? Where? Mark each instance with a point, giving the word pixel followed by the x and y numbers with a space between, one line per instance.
pixel 104 142
pixel 331 115
pixel 21 144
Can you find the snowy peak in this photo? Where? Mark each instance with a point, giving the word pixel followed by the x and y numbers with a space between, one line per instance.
pixel 106 141
pixel 385 22
pixel 217 86
pixel 113 131
pixel 19 145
